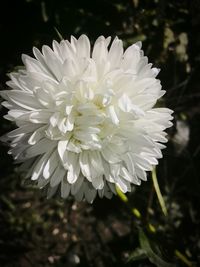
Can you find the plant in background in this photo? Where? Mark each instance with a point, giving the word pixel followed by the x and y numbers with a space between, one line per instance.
pixel 86 117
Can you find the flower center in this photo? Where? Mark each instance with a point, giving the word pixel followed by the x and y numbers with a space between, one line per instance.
pixel 87 122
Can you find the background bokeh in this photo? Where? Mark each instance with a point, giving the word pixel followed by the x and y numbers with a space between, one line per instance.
pixel 38 232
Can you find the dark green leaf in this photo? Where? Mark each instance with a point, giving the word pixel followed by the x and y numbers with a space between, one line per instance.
pixel 137 254
pixel 152 256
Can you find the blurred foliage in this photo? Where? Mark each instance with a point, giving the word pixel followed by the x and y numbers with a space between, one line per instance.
pixel 39 232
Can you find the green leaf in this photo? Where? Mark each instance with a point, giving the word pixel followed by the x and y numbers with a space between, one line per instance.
pixel 152 256
pixel 137 254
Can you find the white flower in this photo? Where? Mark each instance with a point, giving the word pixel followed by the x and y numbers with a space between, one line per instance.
pixel 86 118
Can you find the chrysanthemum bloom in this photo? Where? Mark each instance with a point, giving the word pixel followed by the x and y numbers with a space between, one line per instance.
pixel 86 118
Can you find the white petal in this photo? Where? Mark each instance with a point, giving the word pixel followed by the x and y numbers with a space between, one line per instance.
pixel 109 155
pixel 83 46
pixel 100 51
pixel 51 191
pixel 39 116
pixel 73 147
pixel 51 165
pixel 62 147
pixel 41 147
pixel 73 42
pixel 90 193
pixel 129 176
pixel 131 58
pixel 65 188
pixel 85 165
pixel 141 174
pixel 37 136
pixel 42 61
pixel 53 63
pixel 57 176
pixel 142 163
pixel 22 130
pixel 23 99
pixel 39 167
pixel 98 182
pixel 77 185
pixel 70 68
pixel 113 115
pixel 115 52
pixel 44 96
pixel 73 167
pixel 123 185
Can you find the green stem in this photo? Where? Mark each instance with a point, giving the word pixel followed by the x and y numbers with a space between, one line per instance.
pixel 183 258
pixel 158 192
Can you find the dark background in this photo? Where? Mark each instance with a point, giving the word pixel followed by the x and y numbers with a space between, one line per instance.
pixel 38 232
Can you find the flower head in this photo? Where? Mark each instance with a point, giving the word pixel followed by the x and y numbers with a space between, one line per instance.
pixel 86 117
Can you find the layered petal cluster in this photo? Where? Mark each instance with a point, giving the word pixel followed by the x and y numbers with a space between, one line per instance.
pixel 86 117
